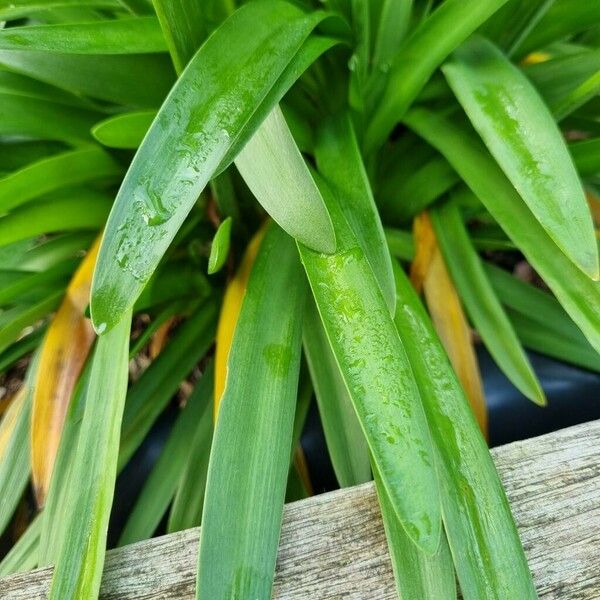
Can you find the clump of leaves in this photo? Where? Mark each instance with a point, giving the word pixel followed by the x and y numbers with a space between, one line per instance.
pixel 261 173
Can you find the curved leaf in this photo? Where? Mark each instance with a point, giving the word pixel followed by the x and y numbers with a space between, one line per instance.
pixel 375 369
pixel 136 80
pixel 71 168
pixel 294 202
pixel 579 295
pixel 135 35
pixel 75 210
pixel 200 121
pixel 435 38
pixel 523 137
pixel 219 249
pixel 62 356
pixel 339 161
pixel 481 303
pixel 124 131
pixel 488 556
pixel 91 480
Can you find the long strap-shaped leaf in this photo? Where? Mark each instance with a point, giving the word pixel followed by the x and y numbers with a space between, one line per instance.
pixel 150 394
pixel 134 35
pixel 295 204
pixel 251 449
pixel 448 317
pixel 185 24
pixel 521 134
pixel 449 25
pixel 78 568
pixel 484 542
pixel 418 576
pixel 164 480
pixel 63 354
pixel 71 168
pixel 481 302
pixel 346 443
pixel 15 456
pixel 230 312
pixel 579 295
pixel 339 161
pixel 199 122
pixel 375 368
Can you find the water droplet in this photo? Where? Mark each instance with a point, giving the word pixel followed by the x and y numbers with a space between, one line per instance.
pixel 101 328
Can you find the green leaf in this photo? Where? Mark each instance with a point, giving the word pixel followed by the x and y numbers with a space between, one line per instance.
pixel 48 252
pixel 22 556
pixel 433 40
pixel 203 116
pixel 21 85
pixel 564 18
pixel 514 21
pixel 186 24
pixel 482 304
pixel 345 440
pixel 375 369
pixel 405 197
pixel 15 466
pixel 339 161
pixel 277 175
pixel 186 511
pixel 151 393
pixel 250 455
pixel 20 348
pixel 55 516
pixel 393 26
pixel 136 80
pixel 126 130
pixel 521 134
pixel 19 153
pixel 90 484
pixel 583 93
pixel 540 321
pixel 14 320
pixel 579 295
pixel 44 120
pixel 75 209
pixel 219 249
pixel 71 168
pixel 559 79
pixel 14 285
pixel 118 36
pixel 400 243
pixel 166 476
pixel 417 575
pixel 488 557
pixel 17 9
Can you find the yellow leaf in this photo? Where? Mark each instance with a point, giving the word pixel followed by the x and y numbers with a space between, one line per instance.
pixel 449 319
pixel 425 246
pixel 9 420
pixel 64 351
pixel 230 310
pixel 159 339
pixel 536 57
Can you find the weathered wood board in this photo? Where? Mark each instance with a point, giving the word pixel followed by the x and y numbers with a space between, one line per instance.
pixel 333 545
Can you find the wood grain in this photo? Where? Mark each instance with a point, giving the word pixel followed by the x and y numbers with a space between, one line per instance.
pixel 333 545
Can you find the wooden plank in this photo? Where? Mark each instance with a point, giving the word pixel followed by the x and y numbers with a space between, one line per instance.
pixel 333 545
